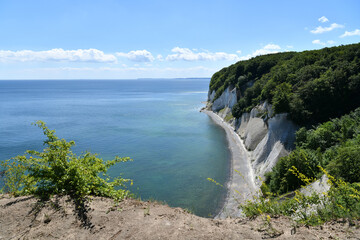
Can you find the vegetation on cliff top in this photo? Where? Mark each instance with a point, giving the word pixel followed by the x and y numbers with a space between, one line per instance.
pixel 312 86
pixel 332 148
pixel 333 145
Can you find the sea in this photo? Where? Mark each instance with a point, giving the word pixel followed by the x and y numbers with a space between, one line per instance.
pixel 155 122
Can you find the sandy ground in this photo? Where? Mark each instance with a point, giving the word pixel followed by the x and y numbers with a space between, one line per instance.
pixel 241 186
pixel 26 218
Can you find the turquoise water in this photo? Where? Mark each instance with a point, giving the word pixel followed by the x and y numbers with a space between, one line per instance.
pixel 157 123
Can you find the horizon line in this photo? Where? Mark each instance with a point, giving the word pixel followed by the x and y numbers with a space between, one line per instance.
pixel 76 79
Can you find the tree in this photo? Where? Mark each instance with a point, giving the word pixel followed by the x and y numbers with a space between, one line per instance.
pixel 281 99
pixel 347 164
pixel 282 179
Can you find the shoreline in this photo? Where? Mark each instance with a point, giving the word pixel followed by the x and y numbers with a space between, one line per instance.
pixel 240 186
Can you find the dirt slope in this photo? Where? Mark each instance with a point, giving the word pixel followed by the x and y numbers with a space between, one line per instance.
pixel 25 218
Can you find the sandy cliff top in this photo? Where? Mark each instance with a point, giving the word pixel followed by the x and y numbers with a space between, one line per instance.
pixel 25 218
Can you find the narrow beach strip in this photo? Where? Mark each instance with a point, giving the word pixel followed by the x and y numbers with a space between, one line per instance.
pixel 241 185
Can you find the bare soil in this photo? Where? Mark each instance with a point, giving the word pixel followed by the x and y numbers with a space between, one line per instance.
pixel 28 218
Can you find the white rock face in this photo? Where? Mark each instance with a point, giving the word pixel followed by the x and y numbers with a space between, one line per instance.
pixel 277 143
pixel 251 127
pixel 227 99
pixel 319 186
pixel 266 139
pixel 211 96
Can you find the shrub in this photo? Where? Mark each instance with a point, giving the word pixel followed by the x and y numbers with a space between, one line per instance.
pixel 58 171
pixel 282 179
pixel 347 164
pixel 341 201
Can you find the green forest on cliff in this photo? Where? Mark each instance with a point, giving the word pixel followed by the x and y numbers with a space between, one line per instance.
pixel 320 91
pixel 334 145
pixel 312 86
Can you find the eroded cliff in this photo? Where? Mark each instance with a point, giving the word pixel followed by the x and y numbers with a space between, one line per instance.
pixel 267 137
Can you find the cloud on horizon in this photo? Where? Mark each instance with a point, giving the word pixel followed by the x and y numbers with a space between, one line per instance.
pixel 124 72
pixel 189 55
pixel 57 54
pixel 137 56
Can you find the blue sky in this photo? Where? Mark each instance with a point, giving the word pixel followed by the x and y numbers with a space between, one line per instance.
pixel 111 39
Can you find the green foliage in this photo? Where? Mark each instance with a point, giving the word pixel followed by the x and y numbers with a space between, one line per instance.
pixel 313 86
pixel 282 179
pixel 281 99
pixel 228 117
pixel 333 144
pixel 16 181
pixel 341 201
pixel 58 171
pixel 346 164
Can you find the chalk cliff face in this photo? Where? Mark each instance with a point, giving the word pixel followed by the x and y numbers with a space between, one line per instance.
pixel 266 137
pixel 227 99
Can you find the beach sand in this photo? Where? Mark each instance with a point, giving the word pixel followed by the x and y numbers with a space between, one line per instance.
pixel 241 185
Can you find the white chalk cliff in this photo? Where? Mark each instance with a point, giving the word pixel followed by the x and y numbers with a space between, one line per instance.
pixel 266 137
pixel 227 99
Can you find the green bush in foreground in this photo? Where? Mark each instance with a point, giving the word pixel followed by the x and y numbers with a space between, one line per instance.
pixel 58 171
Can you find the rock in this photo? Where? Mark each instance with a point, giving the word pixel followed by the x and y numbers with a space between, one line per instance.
pixel 266 137
pixel 319 186
pixel 227 99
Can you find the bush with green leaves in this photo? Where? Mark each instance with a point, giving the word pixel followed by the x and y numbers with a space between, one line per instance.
pixel 346 164
pixel 58 171
pixel 333 145
pixel 341 201
pixel 282 180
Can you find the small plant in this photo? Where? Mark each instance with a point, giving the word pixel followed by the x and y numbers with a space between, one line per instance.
pixel 214 181
pixel 228 117
pixel 58 171
pixel 267 227
pixel 147 211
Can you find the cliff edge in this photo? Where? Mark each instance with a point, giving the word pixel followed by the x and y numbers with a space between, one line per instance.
pixel 27 218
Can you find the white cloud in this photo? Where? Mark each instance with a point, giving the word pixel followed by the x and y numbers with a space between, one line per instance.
pixel 57 54
pixel 238 51
pixel 289 46
pixel 321 29
pixel 160 57
pixel 329 42
pixel 188 55
pixel 317 41
pixel 137 56
pixel 111 72
pixel 323 19
pixel 356 32
pixel 272 47
pixel 268 49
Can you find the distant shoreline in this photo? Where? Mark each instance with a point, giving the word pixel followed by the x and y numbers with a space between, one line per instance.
pixel 241 179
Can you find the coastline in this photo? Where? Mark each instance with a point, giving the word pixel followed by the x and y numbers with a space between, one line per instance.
pixel 240 186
